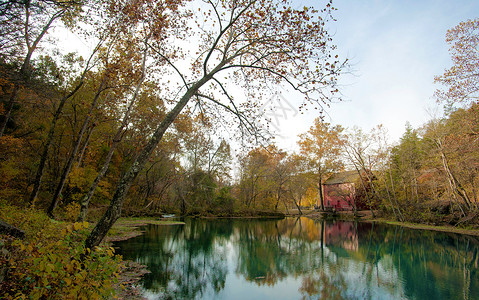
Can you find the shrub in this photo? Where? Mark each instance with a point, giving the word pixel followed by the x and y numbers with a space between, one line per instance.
pixel 71 211
pixel 52 263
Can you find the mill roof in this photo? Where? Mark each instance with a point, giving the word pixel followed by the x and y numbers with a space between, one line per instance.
pixel 342 177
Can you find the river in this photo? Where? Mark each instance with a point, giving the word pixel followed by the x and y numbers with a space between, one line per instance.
pixel 299 258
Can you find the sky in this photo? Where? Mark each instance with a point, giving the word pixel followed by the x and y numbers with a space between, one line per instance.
pixel 395 49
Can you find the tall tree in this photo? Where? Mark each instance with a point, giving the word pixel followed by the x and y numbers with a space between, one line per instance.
pixel 382 158
pixel 453 148
pixel 24 24
pixel 255 169
pixel 407 159
pixel 73 90
pixel 125 31
pixel 300 181
pixel 112 69
pixel 280 176
pixel 462 79
pixel 321 144
pixel 358 149
pixel 257 43
pixel 116 139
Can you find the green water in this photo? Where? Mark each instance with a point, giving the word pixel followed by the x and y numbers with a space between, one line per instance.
pixel 303 259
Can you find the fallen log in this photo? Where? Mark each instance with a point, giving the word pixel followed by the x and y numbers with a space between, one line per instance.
pixel 6 228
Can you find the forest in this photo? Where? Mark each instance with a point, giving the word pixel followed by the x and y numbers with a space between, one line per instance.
pixel 143 123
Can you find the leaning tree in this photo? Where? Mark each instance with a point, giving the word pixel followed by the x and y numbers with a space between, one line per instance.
pixel 248 45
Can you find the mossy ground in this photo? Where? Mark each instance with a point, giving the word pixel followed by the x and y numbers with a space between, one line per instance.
pixel 126 228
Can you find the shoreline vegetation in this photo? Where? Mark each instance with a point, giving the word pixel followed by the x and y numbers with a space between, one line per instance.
pixel 130 227
pixel 126 228
pixel 365 216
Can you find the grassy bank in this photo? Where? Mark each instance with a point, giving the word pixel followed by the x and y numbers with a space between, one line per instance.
pixel 442 228
pixel 126 228
pixel 366 216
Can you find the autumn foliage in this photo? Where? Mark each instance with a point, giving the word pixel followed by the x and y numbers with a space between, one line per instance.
pixel 49 263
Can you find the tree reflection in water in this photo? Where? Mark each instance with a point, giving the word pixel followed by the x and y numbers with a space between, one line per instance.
pixel 238 259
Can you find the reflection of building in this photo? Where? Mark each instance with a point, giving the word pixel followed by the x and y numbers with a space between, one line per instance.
pixel 339 190
pixel 341 234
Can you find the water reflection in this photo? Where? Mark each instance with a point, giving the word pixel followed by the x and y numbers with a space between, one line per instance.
pixel 303 259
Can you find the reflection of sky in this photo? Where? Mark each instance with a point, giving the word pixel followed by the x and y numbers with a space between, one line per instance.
pixel 237 287
pixel 385 282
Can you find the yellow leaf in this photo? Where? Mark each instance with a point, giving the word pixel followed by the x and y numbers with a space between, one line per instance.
pixel 77 226
pixel 70 268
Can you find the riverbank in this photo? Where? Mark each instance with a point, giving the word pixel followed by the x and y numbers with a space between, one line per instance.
pixel 441 228
pixel 132 272
pixel 127 228
pixel 366 216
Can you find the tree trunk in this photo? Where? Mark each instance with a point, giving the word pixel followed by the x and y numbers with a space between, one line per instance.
pixel 277 201
pixel 296 204
pixel 394 193
pixel 116 140
pixel 390 200
pixel 67 168
pixel 6 228
pixel 320 189
pixel 365 191
pixel 285 206
pixel 48 142
pixel 56 116
pixel 474 192
pixel 415 185
pixel 114 210
pixel 455 185
pixel 149 186
pixel 85 145
pixel 9 109
pixel 25 69
pixel 299 206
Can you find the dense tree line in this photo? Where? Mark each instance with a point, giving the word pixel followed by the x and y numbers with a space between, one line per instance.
pixel 430 175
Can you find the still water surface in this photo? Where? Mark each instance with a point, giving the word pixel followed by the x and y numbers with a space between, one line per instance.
pixel 298 258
